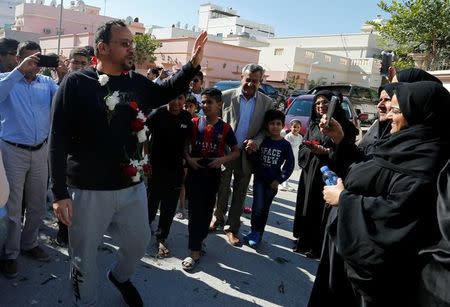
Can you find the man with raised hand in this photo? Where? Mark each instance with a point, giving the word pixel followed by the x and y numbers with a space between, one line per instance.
pixel 96 162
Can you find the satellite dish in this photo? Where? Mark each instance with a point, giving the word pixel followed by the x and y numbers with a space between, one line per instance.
pixel 186 26
pixel 193 28
pixel 129 20
pixel 178 24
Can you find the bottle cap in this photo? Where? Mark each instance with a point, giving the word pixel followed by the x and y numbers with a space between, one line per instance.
pixel 324 168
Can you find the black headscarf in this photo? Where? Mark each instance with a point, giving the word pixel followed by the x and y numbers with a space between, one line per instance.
pixel 411 75
pixel 418 149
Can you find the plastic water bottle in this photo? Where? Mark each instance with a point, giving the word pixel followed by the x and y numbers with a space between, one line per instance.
pixel 329 177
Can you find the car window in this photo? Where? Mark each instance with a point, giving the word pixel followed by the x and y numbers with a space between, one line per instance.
pixel 346 107
pixel 269 89
pixel 300 107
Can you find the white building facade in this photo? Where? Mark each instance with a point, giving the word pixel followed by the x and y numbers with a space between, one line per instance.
pixel 222 22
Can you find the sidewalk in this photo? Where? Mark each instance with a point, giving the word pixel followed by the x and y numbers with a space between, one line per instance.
pixel 226 276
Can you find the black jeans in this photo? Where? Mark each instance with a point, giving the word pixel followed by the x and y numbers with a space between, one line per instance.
pixel 162 194
pixel 202 186
pixel 263 196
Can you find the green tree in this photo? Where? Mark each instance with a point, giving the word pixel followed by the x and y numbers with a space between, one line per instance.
pixel 145 48
pixel 416 27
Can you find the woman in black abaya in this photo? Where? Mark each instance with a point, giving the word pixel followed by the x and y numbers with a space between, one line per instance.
pixel 435 277
pixel 386 212
pixel 310 212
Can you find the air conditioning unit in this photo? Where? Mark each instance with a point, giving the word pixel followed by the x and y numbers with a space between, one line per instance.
pixel 47 30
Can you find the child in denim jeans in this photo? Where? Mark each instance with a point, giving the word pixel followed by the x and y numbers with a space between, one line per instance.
pixel 273 164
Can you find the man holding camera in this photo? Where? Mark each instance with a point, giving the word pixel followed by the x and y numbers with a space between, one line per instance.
pixel 25 103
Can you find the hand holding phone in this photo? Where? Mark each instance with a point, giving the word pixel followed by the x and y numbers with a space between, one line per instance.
pixel 386 61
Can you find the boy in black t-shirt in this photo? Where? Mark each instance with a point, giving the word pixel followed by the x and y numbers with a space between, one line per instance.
pixel 210 135
pixel 170 127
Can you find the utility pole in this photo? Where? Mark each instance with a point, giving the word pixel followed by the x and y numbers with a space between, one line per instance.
pixel 60 27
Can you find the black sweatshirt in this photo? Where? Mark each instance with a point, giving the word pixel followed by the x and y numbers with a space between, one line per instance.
pixel 88 151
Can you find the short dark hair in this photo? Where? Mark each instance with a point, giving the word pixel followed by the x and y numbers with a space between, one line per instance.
pixel 213 93
pixel 103 33
pixel 27 45
pixel 78 51
pixel 8 45
pixel 273 115
pixel 191 100
pixel 89 50
pixel 156 70
pixel 199 74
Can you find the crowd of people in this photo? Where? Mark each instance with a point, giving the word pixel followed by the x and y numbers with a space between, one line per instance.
pixel 95 129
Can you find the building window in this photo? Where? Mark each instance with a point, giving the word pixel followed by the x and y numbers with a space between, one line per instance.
pixel 220 35
pixel 278 51
pixel 343 61
pixel 327 58
pixel 309 54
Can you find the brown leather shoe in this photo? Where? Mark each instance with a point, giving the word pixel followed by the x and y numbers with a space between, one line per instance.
pixel 232 238
pixel 9 268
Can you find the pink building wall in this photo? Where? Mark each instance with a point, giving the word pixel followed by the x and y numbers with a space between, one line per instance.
pixel 33 17
pixel 220 62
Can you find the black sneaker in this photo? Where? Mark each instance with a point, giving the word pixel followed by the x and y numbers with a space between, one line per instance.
pixel 9 268
pixel 37 253
pixel 129 293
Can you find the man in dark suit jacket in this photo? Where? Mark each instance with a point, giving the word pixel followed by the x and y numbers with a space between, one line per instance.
pixel 244 109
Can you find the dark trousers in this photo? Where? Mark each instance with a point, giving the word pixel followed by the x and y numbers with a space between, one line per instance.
pixel 263 196
pixel 202 186
pixel 162 194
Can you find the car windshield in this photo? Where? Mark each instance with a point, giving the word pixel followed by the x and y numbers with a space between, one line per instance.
pixel 300 107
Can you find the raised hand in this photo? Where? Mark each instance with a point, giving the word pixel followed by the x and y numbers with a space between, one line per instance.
pixel 197 52
pixel 29 64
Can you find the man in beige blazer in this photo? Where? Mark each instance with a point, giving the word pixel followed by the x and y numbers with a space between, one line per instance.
pixel 244 109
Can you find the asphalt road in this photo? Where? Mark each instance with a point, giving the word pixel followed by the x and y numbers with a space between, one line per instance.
pixel 272 275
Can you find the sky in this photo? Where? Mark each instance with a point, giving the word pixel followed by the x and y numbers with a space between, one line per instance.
pixel 288 17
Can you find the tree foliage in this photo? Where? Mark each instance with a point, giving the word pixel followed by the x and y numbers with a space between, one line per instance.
pixel 145 48
pixel 416 27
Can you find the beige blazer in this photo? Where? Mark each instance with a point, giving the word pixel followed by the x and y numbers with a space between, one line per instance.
pixel 231 111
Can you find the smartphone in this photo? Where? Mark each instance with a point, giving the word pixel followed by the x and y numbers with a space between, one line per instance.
pixel 386 62
pixel 331 108
pixel 48 61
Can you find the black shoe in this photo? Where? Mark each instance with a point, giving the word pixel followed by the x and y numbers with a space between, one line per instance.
pixel 37 253
pixel 129 293
pixel 9 268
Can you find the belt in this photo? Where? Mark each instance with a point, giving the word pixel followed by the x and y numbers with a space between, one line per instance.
pixel 27 147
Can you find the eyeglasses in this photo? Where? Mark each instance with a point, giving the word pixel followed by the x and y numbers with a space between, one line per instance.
pixel 125 43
